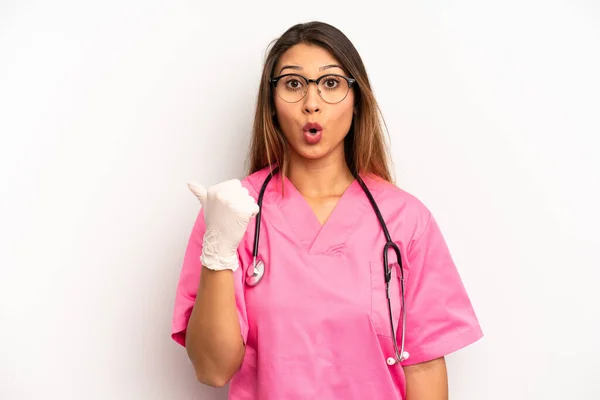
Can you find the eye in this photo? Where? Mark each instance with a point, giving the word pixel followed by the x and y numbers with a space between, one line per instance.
pixel 293 83
pixel 331 82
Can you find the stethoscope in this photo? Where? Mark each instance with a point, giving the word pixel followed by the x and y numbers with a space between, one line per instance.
pixel 256 273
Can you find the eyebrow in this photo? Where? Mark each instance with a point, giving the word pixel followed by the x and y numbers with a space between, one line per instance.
pixel 298 68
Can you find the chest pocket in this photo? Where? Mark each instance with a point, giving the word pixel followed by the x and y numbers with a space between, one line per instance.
pixel 379 308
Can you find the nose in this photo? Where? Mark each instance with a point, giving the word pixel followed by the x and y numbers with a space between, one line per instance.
pixel 312 100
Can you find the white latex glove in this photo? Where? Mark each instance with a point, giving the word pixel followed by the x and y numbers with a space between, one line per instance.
pixel 228 208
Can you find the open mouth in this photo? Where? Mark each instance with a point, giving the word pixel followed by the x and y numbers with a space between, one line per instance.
pixel 312 127
pixel 313 132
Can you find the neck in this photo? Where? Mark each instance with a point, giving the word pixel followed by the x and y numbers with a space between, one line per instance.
pixel 329 176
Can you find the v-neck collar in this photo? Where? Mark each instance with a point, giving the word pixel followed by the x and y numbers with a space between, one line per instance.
pixel 314 238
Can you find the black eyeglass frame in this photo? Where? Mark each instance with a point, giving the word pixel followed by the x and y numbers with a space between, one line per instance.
pixel 276 79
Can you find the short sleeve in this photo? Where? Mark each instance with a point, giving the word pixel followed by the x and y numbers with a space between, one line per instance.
pixel 440 318
pixel 189 280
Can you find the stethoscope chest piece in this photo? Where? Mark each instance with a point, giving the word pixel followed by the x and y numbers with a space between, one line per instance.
pixel 255 274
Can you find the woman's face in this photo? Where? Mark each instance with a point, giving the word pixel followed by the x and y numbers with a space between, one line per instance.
pixel 295 118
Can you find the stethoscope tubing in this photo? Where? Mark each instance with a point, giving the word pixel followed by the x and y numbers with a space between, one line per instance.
pixel 257 271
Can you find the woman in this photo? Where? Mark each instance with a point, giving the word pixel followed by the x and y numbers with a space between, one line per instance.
pixel 317 325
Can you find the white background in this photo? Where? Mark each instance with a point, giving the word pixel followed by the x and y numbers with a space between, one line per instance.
pixel 108 108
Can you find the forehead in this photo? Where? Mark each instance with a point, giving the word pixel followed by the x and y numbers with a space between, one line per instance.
pixel 309 57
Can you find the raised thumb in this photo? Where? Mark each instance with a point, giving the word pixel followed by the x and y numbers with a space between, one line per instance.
pixel 198 190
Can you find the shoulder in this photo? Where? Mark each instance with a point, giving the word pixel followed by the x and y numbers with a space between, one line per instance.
pixel 254 181
pixel 404 210
pixel 394 199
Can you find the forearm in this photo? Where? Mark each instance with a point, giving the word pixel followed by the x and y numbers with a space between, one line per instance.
pixel 213 340
pixel 427 381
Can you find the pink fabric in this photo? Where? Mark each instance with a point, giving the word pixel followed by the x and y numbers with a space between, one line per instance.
pixel 316 326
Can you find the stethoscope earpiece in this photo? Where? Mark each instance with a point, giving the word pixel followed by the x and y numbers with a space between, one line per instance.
pixel 393 361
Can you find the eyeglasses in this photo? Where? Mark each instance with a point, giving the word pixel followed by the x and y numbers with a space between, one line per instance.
pixel 332 88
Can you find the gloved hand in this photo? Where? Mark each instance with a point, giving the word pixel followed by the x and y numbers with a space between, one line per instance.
pixel 228 208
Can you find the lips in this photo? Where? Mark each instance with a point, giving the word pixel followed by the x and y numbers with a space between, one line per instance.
pixel 312 127
pixel 313 133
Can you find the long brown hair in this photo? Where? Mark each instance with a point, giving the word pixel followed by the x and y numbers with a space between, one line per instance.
pixel 365 149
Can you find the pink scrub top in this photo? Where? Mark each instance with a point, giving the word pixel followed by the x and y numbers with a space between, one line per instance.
pixel 317 324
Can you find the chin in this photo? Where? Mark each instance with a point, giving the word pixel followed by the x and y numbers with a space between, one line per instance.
pixel 313 155
pixel 313 152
